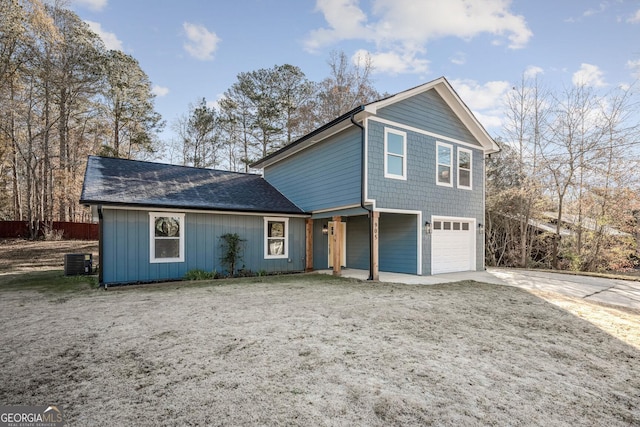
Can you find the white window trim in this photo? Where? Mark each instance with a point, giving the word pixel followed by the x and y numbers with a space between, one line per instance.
pixel 470 186
pixel 266 237
pixel 404 156
pixel 450 147
pixel 152 237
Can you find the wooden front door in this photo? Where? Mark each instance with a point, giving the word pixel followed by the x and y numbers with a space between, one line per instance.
pixel 343 243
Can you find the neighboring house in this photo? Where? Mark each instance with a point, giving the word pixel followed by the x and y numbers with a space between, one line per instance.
pixel 396 185
pixel 571 222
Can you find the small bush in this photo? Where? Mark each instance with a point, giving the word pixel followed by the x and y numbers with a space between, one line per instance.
pixel 232 251
pixel 198 274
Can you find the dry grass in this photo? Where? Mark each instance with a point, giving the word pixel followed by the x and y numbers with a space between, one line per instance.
pixel 18 255
pixel 313 350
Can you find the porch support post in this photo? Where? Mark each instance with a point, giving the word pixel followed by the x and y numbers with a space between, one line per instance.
pixel 375 217
pixel 309 245
pixel 337 249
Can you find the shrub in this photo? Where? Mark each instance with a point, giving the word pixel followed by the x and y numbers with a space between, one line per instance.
pixel 232 248
pixel 198 274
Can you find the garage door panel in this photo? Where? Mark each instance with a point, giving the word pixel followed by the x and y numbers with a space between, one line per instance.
pixel 453 246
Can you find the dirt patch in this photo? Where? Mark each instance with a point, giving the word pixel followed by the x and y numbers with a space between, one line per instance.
pixel 32 255
pixel 312 350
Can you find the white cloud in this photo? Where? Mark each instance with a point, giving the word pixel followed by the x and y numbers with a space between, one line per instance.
pixel 589 75
pixel 110 40
pixel 395 62
pixel 459 58
pixel 202 42
pixel 159 90
pixel 635 18
pixel 96 5
pixel 406 26
pixel 216 104
pixel 481 97
pixel 634 66
pixel 532 72
pixel 346 21
pixel 485 100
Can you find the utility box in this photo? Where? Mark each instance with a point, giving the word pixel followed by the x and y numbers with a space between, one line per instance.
pixel 78 264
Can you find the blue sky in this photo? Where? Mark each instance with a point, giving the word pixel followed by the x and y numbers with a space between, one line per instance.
pixel 192 48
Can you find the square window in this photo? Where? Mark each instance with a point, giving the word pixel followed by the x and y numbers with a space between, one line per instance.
pixel 446 225
pixel 166 237
pixel 437 225
pixel 276 237
pixel 465 226
pixel 456 226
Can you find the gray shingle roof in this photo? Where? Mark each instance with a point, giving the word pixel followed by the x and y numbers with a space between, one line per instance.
pixel 111 181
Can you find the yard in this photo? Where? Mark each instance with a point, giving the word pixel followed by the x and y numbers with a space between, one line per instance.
pixel 314 350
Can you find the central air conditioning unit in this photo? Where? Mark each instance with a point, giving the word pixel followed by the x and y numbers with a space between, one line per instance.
pixel 78 264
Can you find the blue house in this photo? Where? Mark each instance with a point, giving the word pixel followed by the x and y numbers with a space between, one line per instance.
pixel 396 185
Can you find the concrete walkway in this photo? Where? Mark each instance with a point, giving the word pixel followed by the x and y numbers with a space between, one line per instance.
pixel 412 279
pixel 611 291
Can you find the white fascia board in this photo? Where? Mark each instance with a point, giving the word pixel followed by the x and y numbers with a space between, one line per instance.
pixel 446 91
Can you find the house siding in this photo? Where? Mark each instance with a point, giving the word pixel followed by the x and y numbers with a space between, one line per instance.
pixel 429 112
pixel 125 257
pixel 419 192
pixel 357 243
pixel 398 246
pixel 323 176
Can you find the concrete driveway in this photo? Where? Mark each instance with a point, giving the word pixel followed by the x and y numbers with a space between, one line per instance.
pixel 611 291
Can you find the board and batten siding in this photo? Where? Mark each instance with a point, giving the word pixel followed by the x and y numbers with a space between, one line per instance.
pixel 125 257
pixel 323 176
pixel 398 244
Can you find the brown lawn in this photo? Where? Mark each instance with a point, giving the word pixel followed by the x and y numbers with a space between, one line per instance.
pixel 314 350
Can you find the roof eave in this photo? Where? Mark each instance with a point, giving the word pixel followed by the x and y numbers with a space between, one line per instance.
pixel 321 133
pixel 189 208
pixel 453 100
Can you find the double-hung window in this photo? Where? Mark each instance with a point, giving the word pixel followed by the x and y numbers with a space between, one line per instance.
pixel 444 164
pixel 395 154
pixel 276 238
pixel 465 160
pixel 166 237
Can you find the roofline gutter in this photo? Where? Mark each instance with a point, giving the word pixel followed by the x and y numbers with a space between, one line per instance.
pixel 222 211
pixel 362 190
pixel 100 247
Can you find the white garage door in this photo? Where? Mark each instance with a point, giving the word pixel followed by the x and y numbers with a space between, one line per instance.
pixel 453 245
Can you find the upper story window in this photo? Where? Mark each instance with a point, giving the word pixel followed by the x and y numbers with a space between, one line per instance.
pixel 444 164
pixel 465 161
pixel 276 238
pixel 166 233
pixel 395 154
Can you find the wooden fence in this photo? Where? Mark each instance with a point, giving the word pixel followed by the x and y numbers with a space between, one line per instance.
pixel 69 230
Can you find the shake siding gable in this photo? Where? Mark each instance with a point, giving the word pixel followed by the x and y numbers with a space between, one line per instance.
pixel 323 176
pixel 429 112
